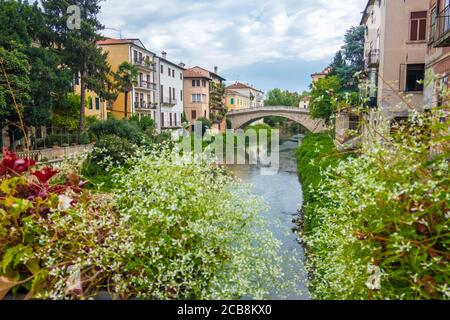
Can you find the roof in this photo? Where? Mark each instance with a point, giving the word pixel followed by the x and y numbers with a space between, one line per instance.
pixel 196 73
pixel 239 85
pixel 325 72
pixel 364 16
pixel 171 63
pixel 234 93
pixel 111 41
pixel 210 73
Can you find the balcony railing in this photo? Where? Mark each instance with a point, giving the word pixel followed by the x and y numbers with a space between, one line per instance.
pixel 145 64
pixel 372 60
pixel 440 29
pixel 169 101
pixel 146 85
pixel 144 105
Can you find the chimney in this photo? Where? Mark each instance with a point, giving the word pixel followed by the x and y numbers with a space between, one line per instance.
pixel 216 69
pixel 164 55
pixel 181 64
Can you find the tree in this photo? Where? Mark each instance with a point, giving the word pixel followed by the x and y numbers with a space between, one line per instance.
pixel 78 47
pixel 325 96
pixel 276 97
pixel 218 108
pixel 125 77
pixel 350 59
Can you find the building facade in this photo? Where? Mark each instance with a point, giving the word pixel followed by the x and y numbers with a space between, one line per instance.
pixel 437 62
pixel 304 103
pixel 202 90
pixel 170 94
pixel 142 97
pixel 394 53
pixel 236 100
pixel 254 97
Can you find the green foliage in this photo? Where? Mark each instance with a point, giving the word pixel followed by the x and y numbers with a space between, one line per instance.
pixel 315 155
pixel 68 116
pixel 145 123
pixel 129 130
pixel 276 97
pixel 125 78
pixel 325 96
pixel 197 234
pixel 377 225
pixel 206 123
pixel 350 59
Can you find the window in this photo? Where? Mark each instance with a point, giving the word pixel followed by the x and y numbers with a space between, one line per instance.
pixel 97 103
pixel 169 71
pixel 173 73
pixel 418 26
pixel 196 98
pixel 181 95
pixel 135 54
pixel 193 83
pixel 194 114
pixel 181 75
pixel 175 119
pixel 161 94
pixel 90 103
pixel 232 101
pixel 414 77
pixel 173 93
pixel 162 119
pixel 204 114
pixel 162 69
pixel 170 117
pixel 198 83
pixel 204 83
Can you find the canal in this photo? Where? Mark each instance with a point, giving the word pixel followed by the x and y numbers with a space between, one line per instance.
pixel 282 192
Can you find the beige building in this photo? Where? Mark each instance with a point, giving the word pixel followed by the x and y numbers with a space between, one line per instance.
pixel 200 86
pixel 320 75
pixel 304 103
pixel 254 96
pixel 236 100
pixel 142 100
pixel 394 51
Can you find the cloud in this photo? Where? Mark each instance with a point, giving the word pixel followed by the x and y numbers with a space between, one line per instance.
pixel 233 33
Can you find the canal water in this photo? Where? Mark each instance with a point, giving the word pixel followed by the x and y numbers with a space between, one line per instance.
pixel 282 192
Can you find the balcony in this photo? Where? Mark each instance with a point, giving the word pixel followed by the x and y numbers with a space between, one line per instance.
pixel 146 85
pixel 440 29
pixel 169 101
pixel 145 64
pixel 143 105
pixel 372 60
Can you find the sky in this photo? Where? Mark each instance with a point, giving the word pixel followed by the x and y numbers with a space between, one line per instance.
pixel 266 43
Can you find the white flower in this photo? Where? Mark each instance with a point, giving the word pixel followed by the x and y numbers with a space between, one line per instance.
pixel 374 280
pixel 64 202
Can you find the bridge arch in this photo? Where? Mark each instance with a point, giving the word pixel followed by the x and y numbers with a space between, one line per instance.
pixel 242 117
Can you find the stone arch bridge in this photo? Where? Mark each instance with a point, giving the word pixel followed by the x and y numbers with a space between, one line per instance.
pixel 239 118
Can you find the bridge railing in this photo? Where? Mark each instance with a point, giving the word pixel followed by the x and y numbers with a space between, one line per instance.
pixel 269 108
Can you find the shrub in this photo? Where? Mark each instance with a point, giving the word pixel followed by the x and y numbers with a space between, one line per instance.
pixel 198 234
pixel 110 151
pixel 381 220
pixel 121 128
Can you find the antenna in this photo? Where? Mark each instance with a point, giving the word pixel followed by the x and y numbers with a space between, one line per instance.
pixel 118 30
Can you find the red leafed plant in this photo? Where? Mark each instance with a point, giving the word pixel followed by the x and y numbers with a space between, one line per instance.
pixel 13 165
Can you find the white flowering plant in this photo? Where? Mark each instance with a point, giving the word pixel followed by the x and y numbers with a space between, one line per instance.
pixel 378 223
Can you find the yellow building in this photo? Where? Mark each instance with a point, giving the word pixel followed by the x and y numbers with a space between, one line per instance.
pixel 142 99
pixel 95 107
pixel 236 100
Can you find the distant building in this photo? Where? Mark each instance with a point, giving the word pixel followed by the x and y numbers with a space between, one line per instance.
pixel 142 98
pixel 394 53
pixel 254 96
pixel 202 90
pixel 437 62
pixel 320 75
pixel 304 103
pixel 236 100
pixel 170 93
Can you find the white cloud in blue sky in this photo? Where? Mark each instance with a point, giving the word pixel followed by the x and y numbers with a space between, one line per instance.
pixel 269 43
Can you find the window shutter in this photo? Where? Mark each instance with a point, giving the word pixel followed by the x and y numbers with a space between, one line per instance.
pixel 414 25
